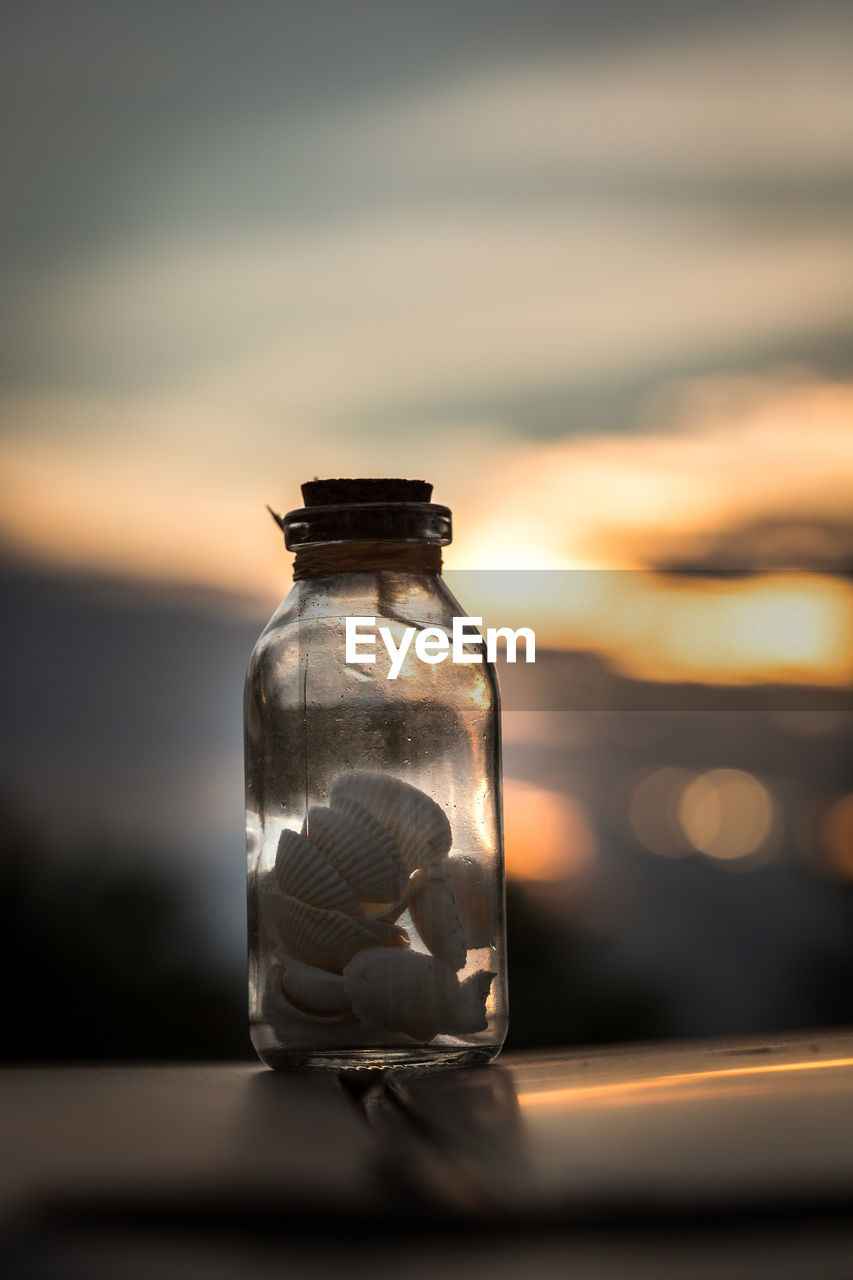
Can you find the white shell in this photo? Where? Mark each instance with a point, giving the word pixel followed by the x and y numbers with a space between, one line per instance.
pixel 380 911
pixel 417 824
pixel 327 939
pixel 275 1004
pixel 386 933
pixel 315 990
pixel 432 905
pixel 301 871
pixel 361 850
pixel 414 993
pixel 471 1013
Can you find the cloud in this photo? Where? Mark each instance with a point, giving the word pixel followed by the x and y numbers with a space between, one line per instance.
pixel 175 488
pixel 527 224
pixel 322 328
pixel 287 291
pixel 716 453
pixel 744 101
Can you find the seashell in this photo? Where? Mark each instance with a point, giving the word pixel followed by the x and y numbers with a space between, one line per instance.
pixel 275 1004
pixel 301 871
pixel 375 911
pixel 473 890
pixel 361 850
pixel 471 1011
pixel 409 992
pixel 432 905
pixel 414 993
pixel 315 990
pixel 385 932
pixel 417 824
pixel 327 939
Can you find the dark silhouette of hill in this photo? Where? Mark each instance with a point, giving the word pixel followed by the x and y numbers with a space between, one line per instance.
pixel 122 830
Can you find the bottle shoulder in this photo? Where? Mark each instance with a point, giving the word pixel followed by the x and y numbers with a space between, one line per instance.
pixel 415 600
pixel 308 634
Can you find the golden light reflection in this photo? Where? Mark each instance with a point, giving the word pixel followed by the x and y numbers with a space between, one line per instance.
pixel 796 624
pixel 547 835
pixel 721 453
pixel 783 627
pixel 480 689
pixel 836 837
pixel 481 810
pixel 726 813
pixel 654 1088
pixel 789 628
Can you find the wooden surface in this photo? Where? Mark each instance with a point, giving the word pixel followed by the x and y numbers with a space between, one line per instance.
pixel 677 1154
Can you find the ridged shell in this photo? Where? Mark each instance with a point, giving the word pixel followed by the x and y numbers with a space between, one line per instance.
pixel 361 850
pixel 381 911
pixel 417 824
pixel 327 939
pixel 302 871
pixel 432 905
pixel 414 993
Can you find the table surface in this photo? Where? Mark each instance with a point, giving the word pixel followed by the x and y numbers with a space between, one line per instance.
pixel 660 1147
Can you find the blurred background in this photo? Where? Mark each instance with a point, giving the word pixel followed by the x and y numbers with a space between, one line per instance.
pixel 588 269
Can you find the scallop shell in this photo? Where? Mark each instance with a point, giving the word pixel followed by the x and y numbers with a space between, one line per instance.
pixel 327 939
pixel 417 824
pixel 380 911
pixel 361 850
pixel 414 993
pixel 301 871
pixel 433 909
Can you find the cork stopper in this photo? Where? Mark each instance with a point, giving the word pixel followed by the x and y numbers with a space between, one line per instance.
pixel 321 493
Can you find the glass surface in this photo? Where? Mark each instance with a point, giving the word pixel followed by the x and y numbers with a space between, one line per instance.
pixel 374 839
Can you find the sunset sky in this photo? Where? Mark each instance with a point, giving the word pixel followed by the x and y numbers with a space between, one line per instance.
pixel 587 268
pixel 593 278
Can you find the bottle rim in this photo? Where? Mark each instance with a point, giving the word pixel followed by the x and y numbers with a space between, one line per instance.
pixel 418 522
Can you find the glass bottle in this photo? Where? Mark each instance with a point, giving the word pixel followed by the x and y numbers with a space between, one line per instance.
pixel 373 804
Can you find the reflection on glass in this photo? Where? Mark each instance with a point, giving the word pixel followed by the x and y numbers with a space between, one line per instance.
pixel 653 811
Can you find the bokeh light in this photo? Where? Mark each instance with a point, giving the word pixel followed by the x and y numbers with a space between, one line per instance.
pixel 547 835
pixel 726 813
pixel 653 811
pixel 836 837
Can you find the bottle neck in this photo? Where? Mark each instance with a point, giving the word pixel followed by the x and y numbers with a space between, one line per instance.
pixel 325 559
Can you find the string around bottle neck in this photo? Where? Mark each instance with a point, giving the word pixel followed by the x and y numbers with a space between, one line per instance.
pixel 323 560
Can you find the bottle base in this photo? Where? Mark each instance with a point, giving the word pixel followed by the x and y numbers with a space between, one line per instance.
pixel 376 1059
